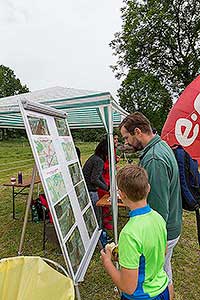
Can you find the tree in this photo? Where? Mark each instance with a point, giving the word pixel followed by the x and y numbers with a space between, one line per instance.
pixel 159 38
pixel 144 92
pixel 9 84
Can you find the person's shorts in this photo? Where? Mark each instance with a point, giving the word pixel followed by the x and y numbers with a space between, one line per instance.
pixel 163 296
pixel 167 267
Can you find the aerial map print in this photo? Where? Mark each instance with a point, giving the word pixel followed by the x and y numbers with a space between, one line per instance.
pixel 61 127
pixel 82 195
pixel 46 152
pixel 65 215
pixel 90 221
pixel 75 249
pixel 56 186
pixel 75 173
pixel 68 150
pixel 38 126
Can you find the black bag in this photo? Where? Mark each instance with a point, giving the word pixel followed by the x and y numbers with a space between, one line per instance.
pixel 190 182
pixel 36 210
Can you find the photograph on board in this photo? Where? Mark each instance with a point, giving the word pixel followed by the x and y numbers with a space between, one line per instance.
pixel 46 152
pixel 90 221
pixel 75 173
pixel 65 215
pixel 56 187
pixel 61 127
pixel 82 195
pixel 38 126
pixel 75 249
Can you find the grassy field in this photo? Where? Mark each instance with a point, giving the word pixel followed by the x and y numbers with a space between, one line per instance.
pixel 97 285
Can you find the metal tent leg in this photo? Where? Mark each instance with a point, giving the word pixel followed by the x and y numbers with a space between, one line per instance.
pixel 78 296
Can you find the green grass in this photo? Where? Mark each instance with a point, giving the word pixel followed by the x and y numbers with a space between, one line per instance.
pixel 97 285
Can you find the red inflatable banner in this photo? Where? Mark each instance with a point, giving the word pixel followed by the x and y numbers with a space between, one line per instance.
pixel 182 124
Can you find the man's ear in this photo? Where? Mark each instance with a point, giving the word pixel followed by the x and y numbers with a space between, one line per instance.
pixel 149 188
pixel 137 131
pixel 122 195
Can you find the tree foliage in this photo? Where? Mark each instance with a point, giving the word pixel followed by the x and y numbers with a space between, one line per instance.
pixel 9 84
pixel 159 38
pixel 144 92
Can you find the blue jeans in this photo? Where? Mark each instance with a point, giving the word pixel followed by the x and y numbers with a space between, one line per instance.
pixel 163 296
pixel 94 198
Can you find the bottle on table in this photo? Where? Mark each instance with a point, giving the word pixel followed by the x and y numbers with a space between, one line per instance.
pixel 19 177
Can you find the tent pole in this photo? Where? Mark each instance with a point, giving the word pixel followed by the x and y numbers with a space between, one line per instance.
pixel 112 174
pixel 28 204
pixel 78 296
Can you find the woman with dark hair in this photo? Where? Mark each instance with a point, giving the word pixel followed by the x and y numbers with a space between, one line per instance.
pixel 106 211
pixel 92 171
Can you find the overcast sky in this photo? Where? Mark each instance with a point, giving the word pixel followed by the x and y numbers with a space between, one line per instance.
pixel 60 43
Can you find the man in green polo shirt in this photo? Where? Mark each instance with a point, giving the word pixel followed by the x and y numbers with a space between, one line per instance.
pixel 159 161
pixel 142 242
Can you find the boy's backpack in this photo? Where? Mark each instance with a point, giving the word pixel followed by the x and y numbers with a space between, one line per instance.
pixel 190 182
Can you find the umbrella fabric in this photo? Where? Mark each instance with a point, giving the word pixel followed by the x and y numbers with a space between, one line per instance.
pixel 182 124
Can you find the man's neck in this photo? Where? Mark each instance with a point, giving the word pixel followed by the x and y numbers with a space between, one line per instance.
pixel 147 139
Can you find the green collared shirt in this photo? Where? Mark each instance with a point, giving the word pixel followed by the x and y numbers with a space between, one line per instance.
pixel 165 195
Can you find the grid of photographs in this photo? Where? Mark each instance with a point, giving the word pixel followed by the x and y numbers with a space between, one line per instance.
pixel 75 173
pixel 82 195
pixel 90 221
pixel 38 126
pixel 65 215
pixel 61 127
pixel 75 249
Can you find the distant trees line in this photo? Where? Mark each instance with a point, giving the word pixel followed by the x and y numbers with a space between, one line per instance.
pixel 79 135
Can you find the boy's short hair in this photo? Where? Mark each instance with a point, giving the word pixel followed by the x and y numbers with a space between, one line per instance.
pixel 133 181
pixel 136 120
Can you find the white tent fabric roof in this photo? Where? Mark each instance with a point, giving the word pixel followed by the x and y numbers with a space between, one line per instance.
pixel 82 106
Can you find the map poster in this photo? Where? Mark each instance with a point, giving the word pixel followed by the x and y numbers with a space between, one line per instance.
pixel 46 152
pixel 82 195
pixel 56 186
pixel 38 126
pixel 64 186
pixel 75 173
pixel 62 127
pixel 75 249
pixel 68 149
pixel 89 221
pixel 65 215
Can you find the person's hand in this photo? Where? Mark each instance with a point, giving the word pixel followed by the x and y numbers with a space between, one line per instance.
pixel 105 256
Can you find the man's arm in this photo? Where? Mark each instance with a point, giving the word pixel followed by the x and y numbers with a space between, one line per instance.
pixel 159 180
pixel 125 279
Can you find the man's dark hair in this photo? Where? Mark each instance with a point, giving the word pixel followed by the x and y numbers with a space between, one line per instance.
pixel 102 150
pixel 136 120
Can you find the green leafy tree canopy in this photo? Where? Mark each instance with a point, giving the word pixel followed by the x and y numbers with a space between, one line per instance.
pixel 159 41
pixel 144 92
pixel 9 84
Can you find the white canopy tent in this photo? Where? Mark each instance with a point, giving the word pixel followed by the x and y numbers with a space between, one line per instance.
pixel 85 109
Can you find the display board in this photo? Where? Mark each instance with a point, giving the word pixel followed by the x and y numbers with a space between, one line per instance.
pixel 64 185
